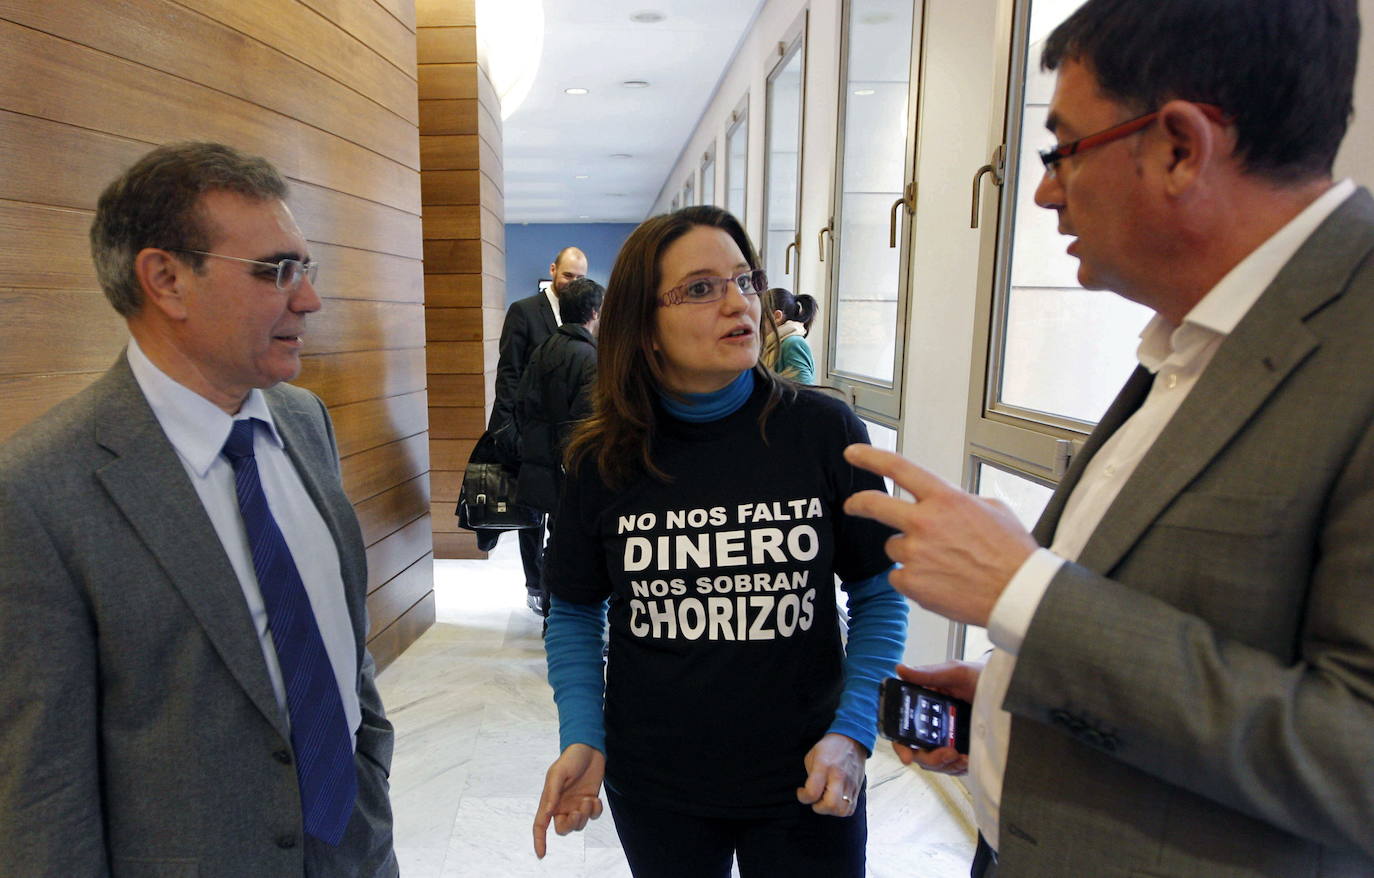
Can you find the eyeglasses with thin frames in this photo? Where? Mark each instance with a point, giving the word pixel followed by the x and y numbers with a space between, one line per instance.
pixel 704 290
pixel 289 272
pixel 1052 157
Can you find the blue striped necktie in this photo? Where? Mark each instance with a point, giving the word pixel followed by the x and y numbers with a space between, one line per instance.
pixel 319 733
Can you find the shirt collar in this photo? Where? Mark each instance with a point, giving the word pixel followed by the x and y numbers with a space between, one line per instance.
pixel 196 427
pixel 1218 312
pixel 553 302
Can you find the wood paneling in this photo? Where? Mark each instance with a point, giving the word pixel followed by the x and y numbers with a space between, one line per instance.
pixel 464 243
pixel 359 375
pixel 327 91
pixel 369 473
pixel 395 507
pixel 386 645
pixel 394 597
pixel 391 555
pixel 456 422
pixel 46 76
pixel 280 82
pixel 453 390
pixel 375 422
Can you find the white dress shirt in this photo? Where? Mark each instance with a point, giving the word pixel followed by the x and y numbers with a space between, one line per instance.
pixel 198 429
pixel 1177 355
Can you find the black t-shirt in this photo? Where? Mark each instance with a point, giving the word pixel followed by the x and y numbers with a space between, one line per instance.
pixel 725 657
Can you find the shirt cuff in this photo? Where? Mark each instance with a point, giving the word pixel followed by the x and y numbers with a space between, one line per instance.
pixel 1012 614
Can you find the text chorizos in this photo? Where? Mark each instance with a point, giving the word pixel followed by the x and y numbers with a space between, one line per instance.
pixel 725 576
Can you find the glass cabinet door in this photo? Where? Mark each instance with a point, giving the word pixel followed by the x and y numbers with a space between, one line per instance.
pixel 737 162
pixel 880 42
pixel 782 163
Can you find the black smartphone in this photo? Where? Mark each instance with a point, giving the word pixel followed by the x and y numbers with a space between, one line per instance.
pixel 920 717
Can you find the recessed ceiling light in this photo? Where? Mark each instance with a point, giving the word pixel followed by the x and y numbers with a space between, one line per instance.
pixel 620 155
pixel 584 216
pixel 574 91
pixel 615 194
pixel 863 91
pixel 635 83
pixel 581 177
pixel 647 16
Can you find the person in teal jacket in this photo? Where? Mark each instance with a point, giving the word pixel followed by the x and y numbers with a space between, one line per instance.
pixel 789 354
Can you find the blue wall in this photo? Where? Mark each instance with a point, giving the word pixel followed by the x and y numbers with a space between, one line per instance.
pixel 530 247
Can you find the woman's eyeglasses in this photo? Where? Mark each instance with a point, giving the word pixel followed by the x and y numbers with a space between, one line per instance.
pixel 704 290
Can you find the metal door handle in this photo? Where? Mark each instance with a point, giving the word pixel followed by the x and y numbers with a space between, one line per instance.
pixel 828 229
pixel 908 200
pixel 787 256
pixel 994 167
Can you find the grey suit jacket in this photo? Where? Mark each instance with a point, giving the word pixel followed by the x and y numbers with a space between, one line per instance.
pixel 139 731
pixel 1195 696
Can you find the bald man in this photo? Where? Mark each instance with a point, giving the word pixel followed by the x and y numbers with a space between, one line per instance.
pixel 528 323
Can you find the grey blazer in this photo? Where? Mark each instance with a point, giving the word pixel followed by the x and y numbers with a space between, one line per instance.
pixel 139 731
pixel 1195 696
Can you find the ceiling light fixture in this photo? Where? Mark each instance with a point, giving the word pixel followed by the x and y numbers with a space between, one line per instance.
pixel 574 91
pixel 863 92
pixel 647 16
pixel 581 177
pixel 635 83
pixel 620 155
pixel 510 36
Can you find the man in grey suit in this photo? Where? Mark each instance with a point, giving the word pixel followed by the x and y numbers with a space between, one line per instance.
pixel 529 322
pixel 182 580
pixel 1183 683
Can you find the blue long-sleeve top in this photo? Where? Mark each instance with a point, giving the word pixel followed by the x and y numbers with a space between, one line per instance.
pixel 877 629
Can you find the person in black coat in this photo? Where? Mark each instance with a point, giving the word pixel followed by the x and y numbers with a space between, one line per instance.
pixel 554 394
pixel 529 322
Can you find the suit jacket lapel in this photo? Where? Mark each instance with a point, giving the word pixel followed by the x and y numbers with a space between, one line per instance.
pixel 147 482
pixel 546 311
pixel 1268 344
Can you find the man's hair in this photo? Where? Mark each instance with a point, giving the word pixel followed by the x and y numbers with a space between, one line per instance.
pixel 580 300
pixel 156 203
pixel 1282 70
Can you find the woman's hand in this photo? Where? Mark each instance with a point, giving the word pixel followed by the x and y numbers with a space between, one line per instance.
pixel 959 679
pixel 572 794
pixel 834 775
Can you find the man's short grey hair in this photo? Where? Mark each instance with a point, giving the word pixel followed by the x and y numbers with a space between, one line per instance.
pixel 156 203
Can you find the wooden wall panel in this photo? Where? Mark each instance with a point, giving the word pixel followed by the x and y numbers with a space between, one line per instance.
pixel 460 188
pixel 325 89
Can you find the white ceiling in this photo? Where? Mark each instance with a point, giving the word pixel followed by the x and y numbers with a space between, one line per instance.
pixel 554 137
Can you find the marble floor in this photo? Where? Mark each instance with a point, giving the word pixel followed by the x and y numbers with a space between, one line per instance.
pixel 476 729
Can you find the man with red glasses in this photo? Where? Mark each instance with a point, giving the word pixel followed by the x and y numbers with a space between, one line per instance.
pixel 1183 683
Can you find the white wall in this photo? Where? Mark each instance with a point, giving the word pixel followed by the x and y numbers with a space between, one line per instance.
pixel 1354 158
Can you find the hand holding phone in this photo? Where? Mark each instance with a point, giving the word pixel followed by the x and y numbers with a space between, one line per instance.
pixel 922 718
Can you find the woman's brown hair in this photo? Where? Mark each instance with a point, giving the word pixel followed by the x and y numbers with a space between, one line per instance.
pixel 629 372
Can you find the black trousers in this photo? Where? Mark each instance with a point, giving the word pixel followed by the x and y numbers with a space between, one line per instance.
pixel 668 844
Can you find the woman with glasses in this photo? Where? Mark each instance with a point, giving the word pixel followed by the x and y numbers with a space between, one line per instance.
pixel 703 505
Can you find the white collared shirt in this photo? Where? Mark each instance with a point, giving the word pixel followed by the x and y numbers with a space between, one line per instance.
pixel 198 429
pixel 1177 356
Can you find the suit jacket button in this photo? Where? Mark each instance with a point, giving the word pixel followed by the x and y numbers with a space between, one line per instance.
pixel 286 842
pixel 282 756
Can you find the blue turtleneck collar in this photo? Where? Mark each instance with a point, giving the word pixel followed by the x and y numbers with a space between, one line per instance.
pixel 701 407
